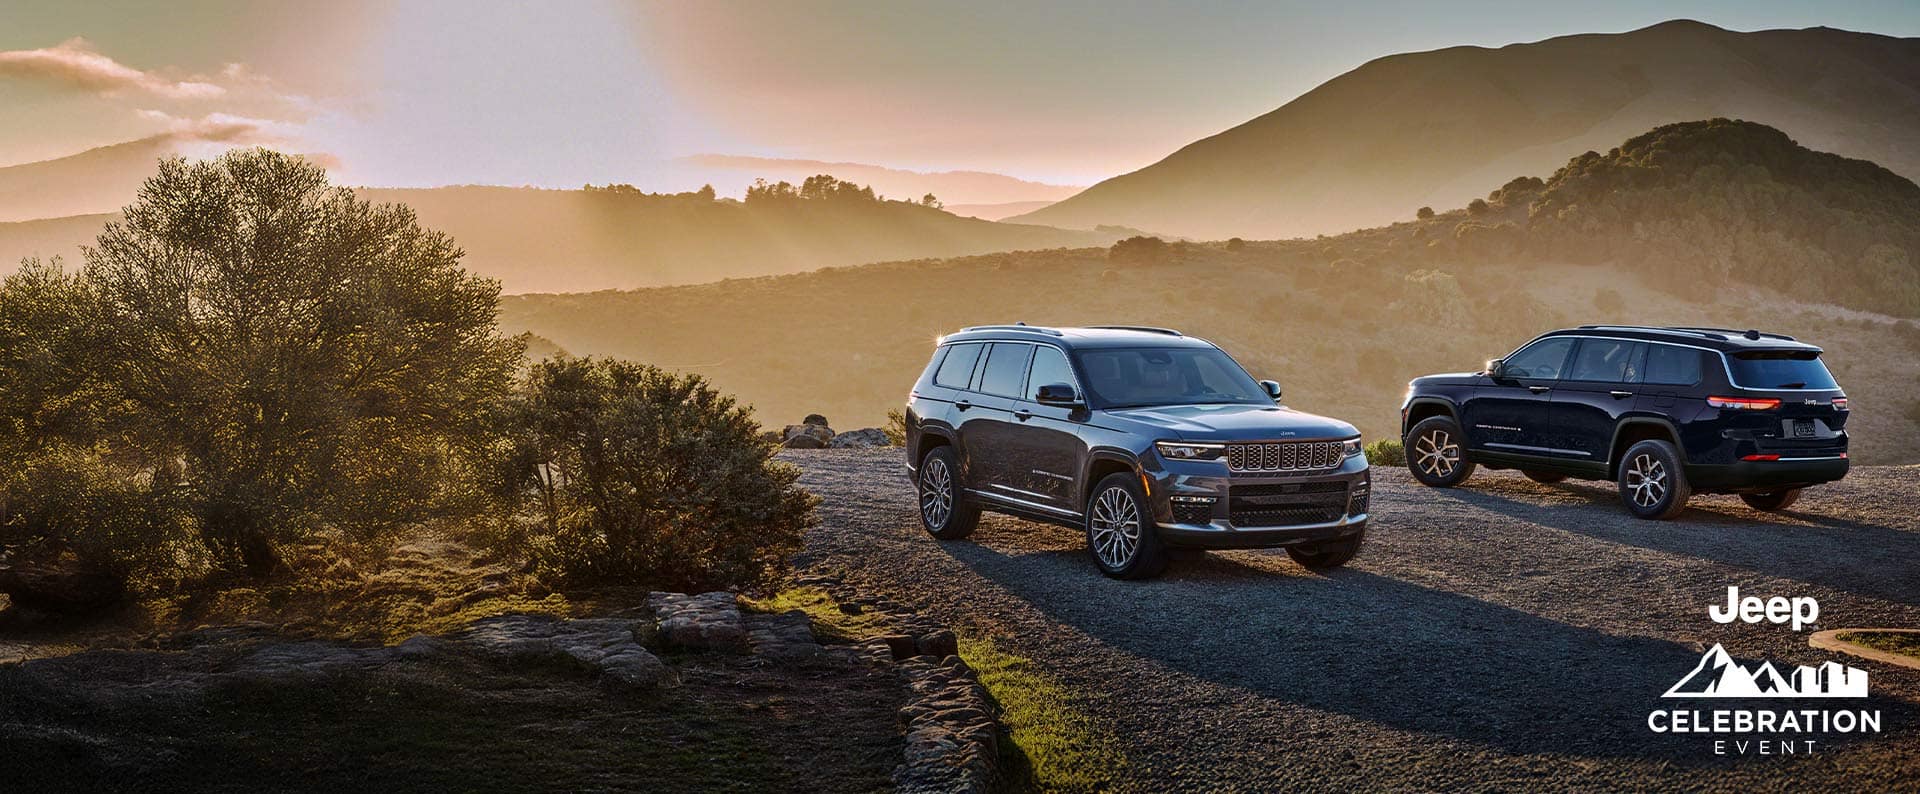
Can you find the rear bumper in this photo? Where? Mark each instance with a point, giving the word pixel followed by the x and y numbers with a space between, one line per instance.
pixel 1766 475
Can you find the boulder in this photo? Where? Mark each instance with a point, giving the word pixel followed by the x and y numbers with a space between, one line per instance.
pixel 816 419
pixel 819 433
pixel 804 442
pixel 865 437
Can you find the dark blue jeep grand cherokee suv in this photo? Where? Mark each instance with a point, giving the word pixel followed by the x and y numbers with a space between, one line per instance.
pixel 1145 438
pixel 1665 412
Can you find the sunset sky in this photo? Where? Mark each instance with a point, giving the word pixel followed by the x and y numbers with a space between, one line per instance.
pixel 561 93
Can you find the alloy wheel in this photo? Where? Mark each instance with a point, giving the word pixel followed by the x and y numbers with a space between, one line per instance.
pixel 1438 454
pixel 1647 480
pixel 936 493
pixel 1116 527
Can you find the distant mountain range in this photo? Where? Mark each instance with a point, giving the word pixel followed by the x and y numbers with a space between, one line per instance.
pixel 536 240
pixel 1719 676
pixel 1436 128
pixel 952 187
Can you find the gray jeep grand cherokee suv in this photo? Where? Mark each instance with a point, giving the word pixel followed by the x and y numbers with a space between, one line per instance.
pixel 1147 439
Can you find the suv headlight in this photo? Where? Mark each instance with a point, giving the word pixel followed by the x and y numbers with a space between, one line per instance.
pixel 1352 446
pixel 1179 450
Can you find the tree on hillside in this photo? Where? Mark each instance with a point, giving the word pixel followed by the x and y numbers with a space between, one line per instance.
pixel 1139 249
pixel 310 360
pixel 1424 213
pixel 1477 207
pixel 930 200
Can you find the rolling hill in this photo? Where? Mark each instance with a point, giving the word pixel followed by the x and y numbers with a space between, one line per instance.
pixel 1437 128
pixel 91 182
pixel 1681 226
pixel 578 241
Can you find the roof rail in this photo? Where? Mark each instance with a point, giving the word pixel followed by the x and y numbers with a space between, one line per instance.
pixel 1142 328
pixel 1013 327
pixel 1706 332
pixel 1749 333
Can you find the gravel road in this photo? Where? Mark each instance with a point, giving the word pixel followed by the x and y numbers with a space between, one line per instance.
pixel 1505 635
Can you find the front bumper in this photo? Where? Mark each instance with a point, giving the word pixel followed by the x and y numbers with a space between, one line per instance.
pixel 1269 511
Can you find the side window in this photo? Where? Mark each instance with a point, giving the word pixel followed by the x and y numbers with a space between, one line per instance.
pixel 1604 360
pixel 1672 366
pixel 1545 359
pixel 1006 369
pixel 958 368
pixel 1049 367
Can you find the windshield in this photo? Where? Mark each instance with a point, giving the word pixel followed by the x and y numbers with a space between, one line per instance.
pixel 1134 378
pixel 1780 369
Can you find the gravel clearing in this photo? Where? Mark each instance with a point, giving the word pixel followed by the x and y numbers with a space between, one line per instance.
pixel 1502 635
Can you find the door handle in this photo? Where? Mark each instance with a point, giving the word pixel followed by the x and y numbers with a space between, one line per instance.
pixel 1620 394
pixel 963 405
pixel 1539 389
pixel 1023 414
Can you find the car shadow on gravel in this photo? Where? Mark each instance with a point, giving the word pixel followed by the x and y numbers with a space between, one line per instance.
pixel 1851 556
pixel 1382 650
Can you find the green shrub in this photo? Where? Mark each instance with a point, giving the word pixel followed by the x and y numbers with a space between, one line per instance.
pixel 1386 452
pixel 896 428
pixel 622 473
pixel 69 502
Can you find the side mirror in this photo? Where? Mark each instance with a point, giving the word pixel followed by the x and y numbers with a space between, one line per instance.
pixel 1496 368
pixel 1272 387
pixel 1060 394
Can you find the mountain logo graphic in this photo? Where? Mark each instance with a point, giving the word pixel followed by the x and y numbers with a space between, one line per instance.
pixel 1719 676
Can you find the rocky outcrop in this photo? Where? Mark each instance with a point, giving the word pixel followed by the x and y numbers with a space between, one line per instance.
pixel 951 722
pixel 863 438
pixel 704 622
pixel 608 646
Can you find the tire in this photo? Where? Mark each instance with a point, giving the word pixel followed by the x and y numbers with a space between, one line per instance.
pixel 1544 477
pixel 1120 531
pixel 1771 500
pixel 1434 454
pixel 944 513
pixel 1328 554
pixel 1653 485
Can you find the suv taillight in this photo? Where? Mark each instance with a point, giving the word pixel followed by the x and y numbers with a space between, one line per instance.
pixel 1839 403
pixel 1744 403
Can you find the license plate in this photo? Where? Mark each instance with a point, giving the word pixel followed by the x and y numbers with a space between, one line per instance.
pixel 1803 428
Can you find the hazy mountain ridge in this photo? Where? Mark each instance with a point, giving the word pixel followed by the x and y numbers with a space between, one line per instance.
pixel 95 181
pixel 1436 127
pixel 953 187
pixel 536 240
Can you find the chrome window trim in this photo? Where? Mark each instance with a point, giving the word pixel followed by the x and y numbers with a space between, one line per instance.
pixel 1724 366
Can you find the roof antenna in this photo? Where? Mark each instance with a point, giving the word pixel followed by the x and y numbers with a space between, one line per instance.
pixel 1023 322
pixel 1751 334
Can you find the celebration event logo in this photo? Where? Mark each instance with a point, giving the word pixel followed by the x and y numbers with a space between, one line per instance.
pixel 1765 731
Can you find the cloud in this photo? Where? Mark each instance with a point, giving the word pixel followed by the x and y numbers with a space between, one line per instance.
pixel 75 64
pixel 223 128
pixel 211 134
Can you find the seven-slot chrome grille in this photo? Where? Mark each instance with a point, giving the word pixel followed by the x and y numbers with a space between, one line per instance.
pixel 1285 456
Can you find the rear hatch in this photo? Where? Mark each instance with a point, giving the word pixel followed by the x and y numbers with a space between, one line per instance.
pixel 1809 410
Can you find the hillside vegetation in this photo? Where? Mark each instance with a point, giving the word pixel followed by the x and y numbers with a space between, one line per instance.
pixel 1440 127
pixel 1683 225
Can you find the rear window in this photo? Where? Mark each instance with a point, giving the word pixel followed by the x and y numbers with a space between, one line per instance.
pixel 1780 369
pixel 1006 369
pixel 958 368
pixel 1672 366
